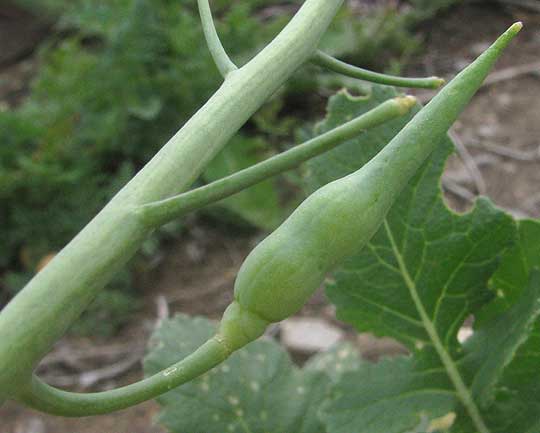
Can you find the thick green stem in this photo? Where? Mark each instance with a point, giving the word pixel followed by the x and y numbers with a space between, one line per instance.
pixel 45 398
pixel 223 61
pixel 41 313
pixel 325 61
pixel 159 213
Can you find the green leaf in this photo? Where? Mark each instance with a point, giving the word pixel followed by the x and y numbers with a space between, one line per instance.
pixel 513 274
pixel 504 362
pixel 390 396
pixel 503 352
pixel 336 361
pixel 421 275
pixel 259 204
pixel 496 344
pixel 258 389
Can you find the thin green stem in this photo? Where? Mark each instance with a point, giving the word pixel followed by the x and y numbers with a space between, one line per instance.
pixel 453 373
pixel 325 61
pixel 161 212
pixel 220 56
pixel 46 398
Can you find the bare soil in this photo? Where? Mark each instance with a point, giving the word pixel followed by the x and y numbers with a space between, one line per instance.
pixel 196 275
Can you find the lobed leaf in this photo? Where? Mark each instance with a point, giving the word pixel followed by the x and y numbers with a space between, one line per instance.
pixel 258 389
pixel 420 277
pixel 502 356
pixel 390 396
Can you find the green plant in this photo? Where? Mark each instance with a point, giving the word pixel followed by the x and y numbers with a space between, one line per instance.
pixel 77 138
pixel 276 279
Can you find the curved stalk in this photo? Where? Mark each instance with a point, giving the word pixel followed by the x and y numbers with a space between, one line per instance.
pixel 325 61
pixel 220 56
pixel 41 313
pixel 46 398
pixel 162 212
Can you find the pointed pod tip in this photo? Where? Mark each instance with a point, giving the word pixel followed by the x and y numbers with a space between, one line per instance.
pixel 516 27
pixel 502 42
pixel 513 30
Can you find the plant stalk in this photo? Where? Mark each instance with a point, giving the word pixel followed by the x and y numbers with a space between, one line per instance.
pixel 162 212
pixel 42 312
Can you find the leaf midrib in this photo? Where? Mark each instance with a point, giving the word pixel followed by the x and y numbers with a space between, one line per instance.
pixel 451 369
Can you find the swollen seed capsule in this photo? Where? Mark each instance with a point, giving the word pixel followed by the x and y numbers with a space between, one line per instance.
pixel 282 272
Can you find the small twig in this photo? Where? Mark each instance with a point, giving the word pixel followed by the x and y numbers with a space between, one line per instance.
pixel 458 190
pixel 469 163
pixel 90 378
pixel 495 77
pixel 519 155
pixel 463 193
pixel 463 175
pixel 512 72
pixel 70 356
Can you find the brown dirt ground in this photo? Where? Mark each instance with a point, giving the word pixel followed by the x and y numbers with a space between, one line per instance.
pixel 197 273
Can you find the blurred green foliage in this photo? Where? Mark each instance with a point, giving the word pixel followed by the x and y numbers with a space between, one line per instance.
pixel 117 78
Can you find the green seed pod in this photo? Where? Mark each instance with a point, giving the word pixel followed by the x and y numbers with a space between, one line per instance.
pixel 282 272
